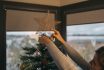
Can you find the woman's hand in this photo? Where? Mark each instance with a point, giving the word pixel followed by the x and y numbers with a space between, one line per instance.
pixel 44 40
pixel 58 36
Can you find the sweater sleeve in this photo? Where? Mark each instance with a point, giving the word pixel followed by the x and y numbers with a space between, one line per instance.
pixel 60 59
pixel 76 57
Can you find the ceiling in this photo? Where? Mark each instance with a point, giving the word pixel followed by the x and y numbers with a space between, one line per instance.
pixel 50 2
pixel 67 2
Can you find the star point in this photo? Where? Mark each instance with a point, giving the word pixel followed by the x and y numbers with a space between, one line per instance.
pixel 47 23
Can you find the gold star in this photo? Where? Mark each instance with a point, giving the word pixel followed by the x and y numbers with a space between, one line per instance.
pixel 47 23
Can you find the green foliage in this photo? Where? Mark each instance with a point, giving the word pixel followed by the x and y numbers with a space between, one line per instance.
pixel 32 62
pixel 29 50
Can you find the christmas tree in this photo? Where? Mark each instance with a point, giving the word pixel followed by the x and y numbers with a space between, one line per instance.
pixel 37 59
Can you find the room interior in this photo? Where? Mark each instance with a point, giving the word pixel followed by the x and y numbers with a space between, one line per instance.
pixel 68 12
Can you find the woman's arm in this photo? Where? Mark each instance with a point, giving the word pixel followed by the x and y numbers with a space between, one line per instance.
pixel 60 59
pixel 72 52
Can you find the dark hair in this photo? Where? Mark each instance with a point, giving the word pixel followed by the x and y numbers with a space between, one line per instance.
pixel 100 54
pixel 100 50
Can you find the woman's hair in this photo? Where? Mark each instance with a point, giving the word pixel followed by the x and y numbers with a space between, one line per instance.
pixel 100 51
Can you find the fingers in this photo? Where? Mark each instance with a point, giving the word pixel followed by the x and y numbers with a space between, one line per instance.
pixel 41 39
pixel 52 37
pixel 44 40
pixel 56 32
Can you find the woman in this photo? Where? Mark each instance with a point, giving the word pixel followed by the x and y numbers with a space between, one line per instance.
pixel 61 60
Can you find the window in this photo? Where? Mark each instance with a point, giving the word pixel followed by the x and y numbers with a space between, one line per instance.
pixel 15 43
pixel 22 30
pixel 86 38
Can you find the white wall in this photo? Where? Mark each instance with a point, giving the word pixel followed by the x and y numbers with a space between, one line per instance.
pixel 43 2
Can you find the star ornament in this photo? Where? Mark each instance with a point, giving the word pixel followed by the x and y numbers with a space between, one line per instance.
pixel 47 23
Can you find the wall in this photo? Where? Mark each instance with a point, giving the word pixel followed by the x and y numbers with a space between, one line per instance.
pixel 43 2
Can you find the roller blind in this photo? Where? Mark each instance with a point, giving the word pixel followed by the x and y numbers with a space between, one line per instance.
pixel 17 20
pixel 86 17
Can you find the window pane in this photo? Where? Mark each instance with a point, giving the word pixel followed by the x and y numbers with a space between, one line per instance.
pixel 15 43
pixel 86 38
